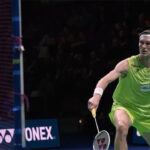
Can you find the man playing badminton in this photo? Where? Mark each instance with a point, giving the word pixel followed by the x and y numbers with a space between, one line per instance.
pixel 131 98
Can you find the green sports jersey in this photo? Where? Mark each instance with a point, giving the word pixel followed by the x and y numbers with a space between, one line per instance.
pixel 133 90
pixel 133 95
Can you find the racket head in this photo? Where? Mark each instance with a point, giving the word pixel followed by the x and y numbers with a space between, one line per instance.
pixel 101 141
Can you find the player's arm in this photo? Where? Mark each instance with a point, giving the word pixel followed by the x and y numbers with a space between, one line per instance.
pixel 121 68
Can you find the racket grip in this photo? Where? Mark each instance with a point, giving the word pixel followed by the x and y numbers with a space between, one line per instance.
pixel 93 111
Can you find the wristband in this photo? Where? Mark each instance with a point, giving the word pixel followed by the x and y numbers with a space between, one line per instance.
pixel 98 90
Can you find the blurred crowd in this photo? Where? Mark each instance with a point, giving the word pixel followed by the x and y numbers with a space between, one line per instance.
pixel 70 45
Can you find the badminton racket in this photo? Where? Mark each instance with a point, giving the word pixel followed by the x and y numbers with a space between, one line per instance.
pixel 102 138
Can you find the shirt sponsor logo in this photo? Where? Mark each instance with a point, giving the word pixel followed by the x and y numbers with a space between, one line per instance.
pixel 136 67
pixel 145 88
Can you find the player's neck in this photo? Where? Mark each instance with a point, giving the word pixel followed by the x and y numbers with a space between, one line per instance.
pixel 145 61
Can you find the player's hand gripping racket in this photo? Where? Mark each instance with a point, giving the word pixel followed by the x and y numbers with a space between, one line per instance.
pixel 102 138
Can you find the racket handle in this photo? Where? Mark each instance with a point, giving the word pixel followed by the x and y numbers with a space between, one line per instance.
pixel 93 111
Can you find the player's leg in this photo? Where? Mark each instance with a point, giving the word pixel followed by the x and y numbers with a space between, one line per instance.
pixel 122 122
pixel 146 136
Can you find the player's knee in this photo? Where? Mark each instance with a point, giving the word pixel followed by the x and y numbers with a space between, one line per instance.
pixel 122 129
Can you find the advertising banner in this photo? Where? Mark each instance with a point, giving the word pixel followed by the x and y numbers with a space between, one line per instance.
pixel 38 134
pixel 137 138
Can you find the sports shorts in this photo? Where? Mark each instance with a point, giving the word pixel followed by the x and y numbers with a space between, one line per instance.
pixel 138 120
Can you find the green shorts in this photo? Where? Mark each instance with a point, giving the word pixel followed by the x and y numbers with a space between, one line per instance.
pixel 142 124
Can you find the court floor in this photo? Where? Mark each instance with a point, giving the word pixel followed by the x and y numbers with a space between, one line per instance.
pixel 85 142
pixel 111 148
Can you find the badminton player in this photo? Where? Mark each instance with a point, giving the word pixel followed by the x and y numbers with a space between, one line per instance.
pixel 131 98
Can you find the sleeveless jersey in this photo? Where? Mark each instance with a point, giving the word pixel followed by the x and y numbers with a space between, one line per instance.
pixel 133 90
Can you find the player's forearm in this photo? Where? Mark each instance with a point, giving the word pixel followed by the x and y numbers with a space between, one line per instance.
pixel 98 92
pixel 101 86
pixel 106 80
pixel 103 83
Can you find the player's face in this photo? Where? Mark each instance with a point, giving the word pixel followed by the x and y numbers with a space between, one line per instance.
pixel 144 45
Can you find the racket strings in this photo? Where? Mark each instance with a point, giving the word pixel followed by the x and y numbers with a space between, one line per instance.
pixel 102 143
